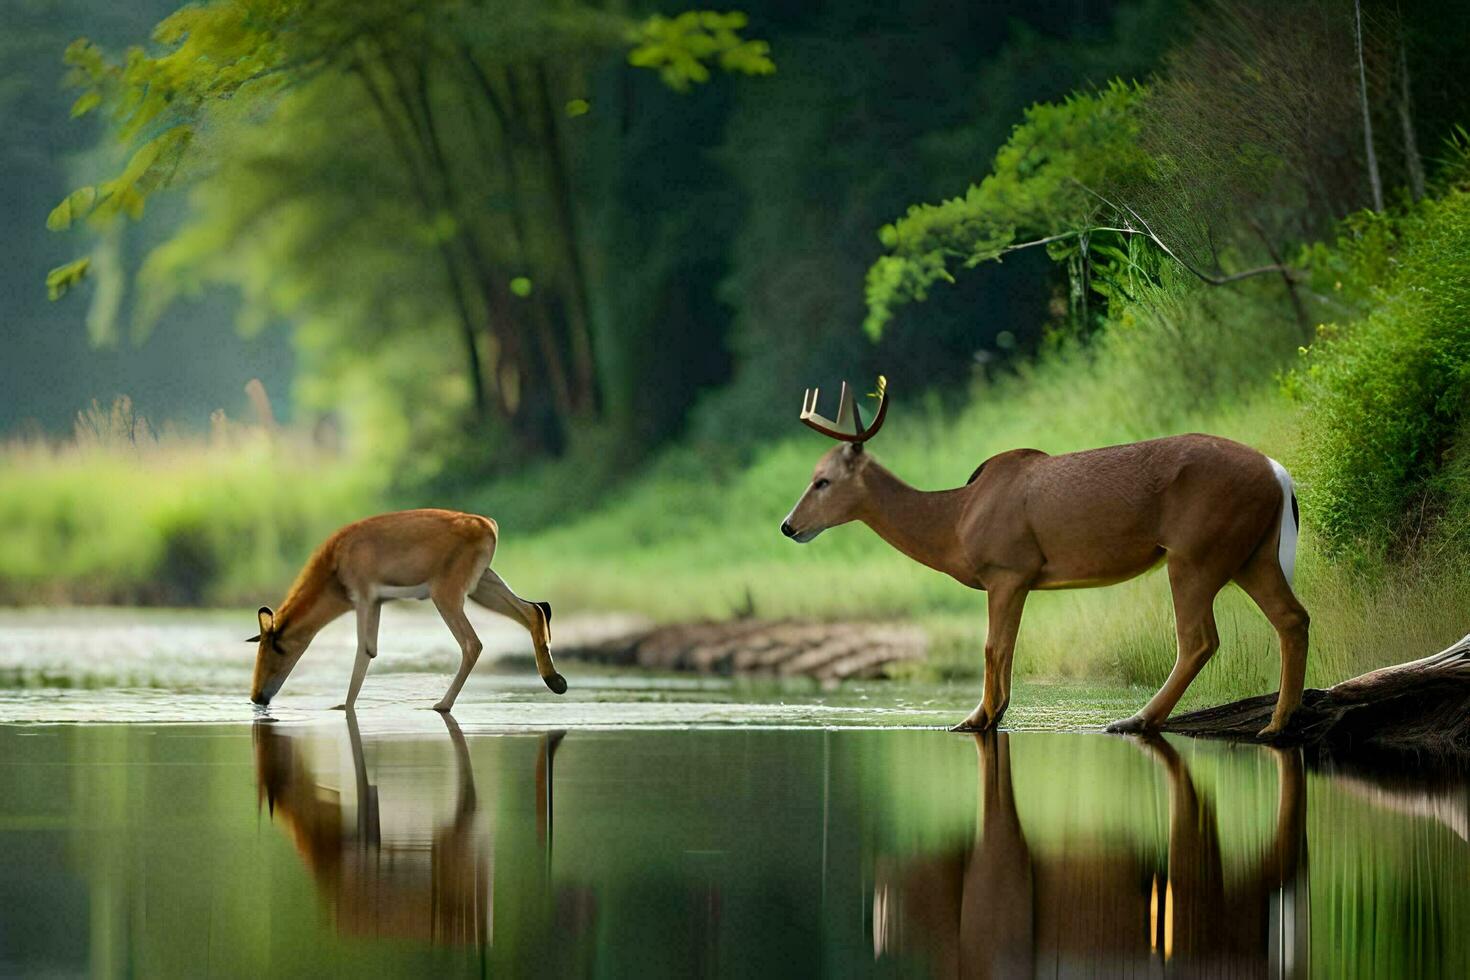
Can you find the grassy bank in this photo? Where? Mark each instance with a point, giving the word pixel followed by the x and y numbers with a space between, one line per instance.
pixel 684 542
pixel 111 517
pixel 167 521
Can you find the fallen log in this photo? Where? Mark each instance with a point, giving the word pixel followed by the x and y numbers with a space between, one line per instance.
pixel 1421 706
pixel 780 648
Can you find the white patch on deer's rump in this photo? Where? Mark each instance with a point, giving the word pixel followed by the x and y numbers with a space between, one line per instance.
pixel 1286 549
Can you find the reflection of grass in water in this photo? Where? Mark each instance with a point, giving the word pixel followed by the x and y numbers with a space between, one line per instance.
pixel 1397 885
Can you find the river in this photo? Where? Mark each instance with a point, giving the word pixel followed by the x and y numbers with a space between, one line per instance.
pixel 154 823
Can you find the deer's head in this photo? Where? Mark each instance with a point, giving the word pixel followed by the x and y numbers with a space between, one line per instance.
pixel 273 662
pixel 837 491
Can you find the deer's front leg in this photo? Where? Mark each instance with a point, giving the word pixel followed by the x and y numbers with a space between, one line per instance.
pixel 1005 603
pixel 368 613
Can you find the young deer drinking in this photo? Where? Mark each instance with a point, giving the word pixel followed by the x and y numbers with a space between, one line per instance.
pixel 440 555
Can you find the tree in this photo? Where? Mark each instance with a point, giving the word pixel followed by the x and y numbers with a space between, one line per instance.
pixel 1039 193
pixel 1242 145
pixel 468 98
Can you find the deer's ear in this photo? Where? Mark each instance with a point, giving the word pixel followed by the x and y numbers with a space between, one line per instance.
pixel 267 620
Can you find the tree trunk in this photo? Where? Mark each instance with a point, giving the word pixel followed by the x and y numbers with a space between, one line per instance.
pixel 510 132
pixel 1412 160
pixel 1422 706
pixel 403 144
pixel 538 426
pixel 1373 177
pixel 1303 322
pixel 578 323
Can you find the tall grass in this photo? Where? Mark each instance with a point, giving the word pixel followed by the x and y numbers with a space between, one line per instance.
pixel 122 514
pixel 696 538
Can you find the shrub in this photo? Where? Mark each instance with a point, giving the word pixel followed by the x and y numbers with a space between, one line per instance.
pixel 1385 397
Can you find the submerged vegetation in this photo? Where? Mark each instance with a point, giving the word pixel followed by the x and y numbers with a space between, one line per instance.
pixel 530 280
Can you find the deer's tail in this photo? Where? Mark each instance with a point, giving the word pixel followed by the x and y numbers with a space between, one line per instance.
pixel 1290 521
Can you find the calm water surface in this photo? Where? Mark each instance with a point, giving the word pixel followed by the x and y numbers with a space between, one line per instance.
pixel 636 831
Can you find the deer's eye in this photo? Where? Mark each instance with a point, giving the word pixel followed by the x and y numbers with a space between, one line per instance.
pixel 819 484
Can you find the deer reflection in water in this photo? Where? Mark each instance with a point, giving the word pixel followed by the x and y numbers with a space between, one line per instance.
pixel 439 889
pixel 999 909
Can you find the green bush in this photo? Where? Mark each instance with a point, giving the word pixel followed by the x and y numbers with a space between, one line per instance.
pixel 1386 396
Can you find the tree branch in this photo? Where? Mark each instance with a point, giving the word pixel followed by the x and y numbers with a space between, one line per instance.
pixel 1148 232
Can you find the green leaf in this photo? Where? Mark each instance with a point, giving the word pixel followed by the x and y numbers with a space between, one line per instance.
pixel 62 278
pixel 578 107
pixel 86 102
pixel 75 207
pixel 681 48
pixel 521 286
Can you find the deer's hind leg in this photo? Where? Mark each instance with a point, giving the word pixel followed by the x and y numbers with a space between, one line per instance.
pixel 1194 585
pixel 495 595
pixel 1265 582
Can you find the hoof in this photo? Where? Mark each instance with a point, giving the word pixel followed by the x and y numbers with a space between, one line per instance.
pixel 557 683
pixel 1130 726
pixel 973 724
pixel 444 707
pixel 344 706
pixel 1271 732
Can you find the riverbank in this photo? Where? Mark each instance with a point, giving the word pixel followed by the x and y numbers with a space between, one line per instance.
pixel 112 665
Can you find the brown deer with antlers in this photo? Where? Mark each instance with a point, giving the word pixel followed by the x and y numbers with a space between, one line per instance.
pixel 1212 510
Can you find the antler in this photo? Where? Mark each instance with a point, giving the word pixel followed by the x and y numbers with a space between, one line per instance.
pixel 849 424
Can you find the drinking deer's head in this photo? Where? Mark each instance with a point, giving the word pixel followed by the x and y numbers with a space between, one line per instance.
pixel 273 662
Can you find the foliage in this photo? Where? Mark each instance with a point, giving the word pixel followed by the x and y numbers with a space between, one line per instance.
pixel 1043 185
pixel 63 278
pixel 681 47
pixel 125 515
pixel 456 98
pixel 877 106
pixel 1245 143
pixel 1387 396
pixel 1256 140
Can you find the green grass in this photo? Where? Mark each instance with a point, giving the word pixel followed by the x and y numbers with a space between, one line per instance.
pixel 693 538
pixel 696 533
pixel 174 522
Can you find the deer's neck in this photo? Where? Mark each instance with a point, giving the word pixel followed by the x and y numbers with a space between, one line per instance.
pixel 922 524
pixel 301 618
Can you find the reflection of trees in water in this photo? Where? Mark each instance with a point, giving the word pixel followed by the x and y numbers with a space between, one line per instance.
pixel 998 909
pixel 434 881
